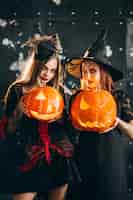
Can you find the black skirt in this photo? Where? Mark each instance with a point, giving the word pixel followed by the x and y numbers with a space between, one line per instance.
pixel 41 178
pixel 102 166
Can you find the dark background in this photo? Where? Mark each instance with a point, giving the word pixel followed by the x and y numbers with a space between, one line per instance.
pixel 78 23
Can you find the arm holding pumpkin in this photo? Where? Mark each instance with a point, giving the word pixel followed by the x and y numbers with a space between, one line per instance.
pixel 12 110
pixel 125 120
pixel 126 127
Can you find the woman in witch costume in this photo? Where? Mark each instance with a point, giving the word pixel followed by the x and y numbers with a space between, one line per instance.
pixel 41 161
pixel 102 157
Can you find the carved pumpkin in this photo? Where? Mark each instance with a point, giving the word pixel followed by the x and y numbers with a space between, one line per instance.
pixel 93 110
pixel 43 103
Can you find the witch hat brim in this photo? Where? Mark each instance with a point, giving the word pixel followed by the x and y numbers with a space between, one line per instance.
pixel 73 66
pixel 97 54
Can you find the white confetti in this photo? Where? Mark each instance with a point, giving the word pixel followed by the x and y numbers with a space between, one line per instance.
pixel 97 23
pixel 20 34
pixel 109 51
pixel 13 22
pixel 8 43
pixel 96 12
pixel 57 2
pixel 14 66
pixel 18 64
pixel 18 42
pixel 3 23
pixel 5 42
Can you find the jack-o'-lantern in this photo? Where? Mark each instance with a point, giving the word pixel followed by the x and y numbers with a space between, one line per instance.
pixel 43 103
pixel 93 110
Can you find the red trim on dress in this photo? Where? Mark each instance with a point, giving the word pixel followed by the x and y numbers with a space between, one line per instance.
pixel 42 151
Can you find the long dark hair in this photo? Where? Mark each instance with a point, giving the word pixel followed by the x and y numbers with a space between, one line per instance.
pixel 39 53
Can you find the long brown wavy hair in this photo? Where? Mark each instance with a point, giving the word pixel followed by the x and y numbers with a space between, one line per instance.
pixel 106 80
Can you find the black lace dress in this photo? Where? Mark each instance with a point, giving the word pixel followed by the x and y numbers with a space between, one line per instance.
pixel 102 159
pixel 16 149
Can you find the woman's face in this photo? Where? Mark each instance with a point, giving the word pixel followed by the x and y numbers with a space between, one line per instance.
pixel 91 72
pixel 48 71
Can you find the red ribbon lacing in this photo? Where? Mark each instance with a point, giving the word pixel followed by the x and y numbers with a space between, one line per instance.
pixel 3 123
pixel 41 151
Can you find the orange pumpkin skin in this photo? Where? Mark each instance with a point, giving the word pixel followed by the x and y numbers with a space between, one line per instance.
pixel 43 103
pixel 93 111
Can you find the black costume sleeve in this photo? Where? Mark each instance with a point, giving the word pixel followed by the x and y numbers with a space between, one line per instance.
pixel 12 100
pixel 125 111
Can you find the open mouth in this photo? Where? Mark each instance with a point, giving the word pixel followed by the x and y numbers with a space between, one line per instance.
pixel 43 78
pixel 92 70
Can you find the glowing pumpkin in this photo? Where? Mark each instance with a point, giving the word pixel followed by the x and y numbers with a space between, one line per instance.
pixel 43 103
pixel 93 111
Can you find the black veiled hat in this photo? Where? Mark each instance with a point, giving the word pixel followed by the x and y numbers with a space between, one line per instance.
pixel 45 50
pixel 44 46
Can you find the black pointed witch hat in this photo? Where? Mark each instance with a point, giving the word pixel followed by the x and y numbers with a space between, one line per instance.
pixel 98 54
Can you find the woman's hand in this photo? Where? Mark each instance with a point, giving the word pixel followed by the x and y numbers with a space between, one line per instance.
pixel 111 128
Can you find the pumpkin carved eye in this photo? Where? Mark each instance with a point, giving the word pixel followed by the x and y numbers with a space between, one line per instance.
pixel 83 104
pixel 43 104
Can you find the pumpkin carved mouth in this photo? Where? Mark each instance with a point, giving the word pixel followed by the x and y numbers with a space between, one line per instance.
pixel 94 126
pixel 45 117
